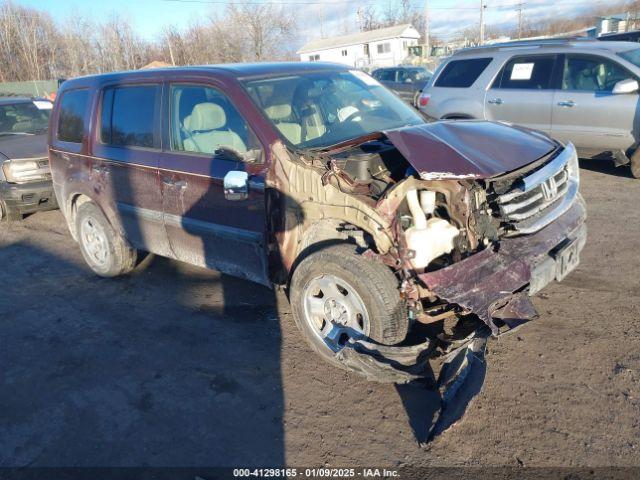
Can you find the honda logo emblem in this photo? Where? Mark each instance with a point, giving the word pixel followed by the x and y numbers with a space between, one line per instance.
pixel 549 189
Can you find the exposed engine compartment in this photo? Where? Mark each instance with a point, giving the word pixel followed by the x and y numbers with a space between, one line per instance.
pixel 442 221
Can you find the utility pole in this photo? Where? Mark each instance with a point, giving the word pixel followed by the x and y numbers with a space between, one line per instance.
pixel 520 7
pixel 482 7
pixel 427 41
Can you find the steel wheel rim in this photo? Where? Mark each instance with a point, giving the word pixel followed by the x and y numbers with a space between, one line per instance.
pixel 94 241
pixel 334 311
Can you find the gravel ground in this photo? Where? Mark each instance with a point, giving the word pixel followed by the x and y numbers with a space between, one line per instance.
pixel 176 365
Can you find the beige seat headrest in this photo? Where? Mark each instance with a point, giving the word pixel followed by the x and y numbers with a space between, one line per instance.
pixel 278 112
pixel 205 116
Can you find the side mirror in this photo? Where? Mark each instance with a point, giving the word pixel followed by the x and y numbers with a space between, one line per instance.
pixel 408 80
pixel 626 86
pixel 236 185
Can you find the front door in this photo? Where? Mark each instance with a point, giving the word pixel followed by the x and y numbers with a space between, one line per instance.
pixel 127 149
pixel 207 140
pixel 585 110
pixel 522 92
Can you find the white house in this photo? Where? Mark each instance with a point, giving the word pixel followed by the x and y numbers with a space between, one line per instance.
pixel 375 48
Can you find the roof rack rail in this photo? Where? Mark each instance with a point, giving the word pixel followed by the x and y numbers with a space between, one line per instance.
pixel 527 43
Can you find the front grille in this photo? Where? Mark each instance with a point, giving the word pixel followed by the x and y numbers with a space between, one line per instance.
pixel 537 199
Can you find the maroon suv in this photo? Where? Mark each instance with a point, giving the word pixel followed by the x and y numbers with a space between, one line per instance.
pixel 400 242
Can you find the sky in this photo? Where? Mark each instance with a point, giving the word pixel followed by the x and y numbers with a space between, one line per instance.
pixel 447 16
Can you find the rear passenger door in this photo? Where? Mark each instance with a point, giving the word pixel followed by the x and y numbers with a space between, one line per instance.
pixel 206 140
pixel 522 93
pixel 585 110
pixel 126 147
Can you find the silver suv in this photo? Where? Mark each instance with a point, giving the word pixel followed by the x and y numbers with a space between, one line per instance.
pixel 579 91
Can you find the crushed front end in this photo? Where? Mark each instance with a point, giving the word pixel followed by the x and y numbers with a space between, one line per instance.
pixel 473 218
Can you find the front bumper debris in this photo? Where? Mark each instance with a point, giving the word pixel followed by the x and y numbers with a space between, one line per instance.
pixel 491 283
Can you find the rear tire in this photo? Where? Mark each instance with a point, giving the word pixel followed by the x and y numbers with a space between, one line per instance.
pixel 634 164
pixel 106 252
pixel 8 214
pixel 336 293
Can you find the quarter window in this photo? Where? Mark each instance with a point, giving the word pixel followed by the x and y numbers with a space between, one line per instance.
pixel 462 73
pixel 591 74
pixel 73 106
pixel 129 116
pixel 532 73
pixel 204 121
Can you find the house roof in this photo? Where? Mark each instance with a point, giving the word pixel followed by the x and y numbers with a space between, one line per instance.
pixel 620 16
pixel 358 38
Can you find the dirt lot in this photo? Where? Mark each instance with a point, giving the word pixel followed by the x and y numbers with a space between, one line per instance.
pixel 180 366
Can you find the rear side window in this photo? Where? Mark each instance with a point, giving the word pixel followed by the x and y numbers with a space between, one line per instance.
pixel 387 75
pixel 73 106
pixel 129 116
pixel 462 73
pixel 531 73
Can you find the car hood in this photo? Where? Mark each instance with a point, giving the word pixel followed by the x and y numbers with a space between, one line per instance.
pixel 23 146
pixel 468 149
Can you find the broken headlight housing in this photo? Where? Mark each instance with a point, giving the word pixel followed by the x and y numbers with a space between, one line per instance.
pixel 21 171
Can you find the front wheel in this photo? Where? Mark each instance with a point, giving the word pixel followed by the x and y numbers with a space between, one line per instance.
pixel 337 294
pixel 106 252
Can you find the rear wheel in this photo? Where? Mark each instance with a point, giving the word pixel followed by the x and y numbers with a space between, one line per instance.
pixel 8 214
pixel 635 165
pixel 337 294
pixel 106 252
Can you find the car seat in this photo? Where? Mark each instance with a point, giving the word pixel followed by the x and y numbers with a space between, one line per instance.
pixel 281 116
pixel 206 130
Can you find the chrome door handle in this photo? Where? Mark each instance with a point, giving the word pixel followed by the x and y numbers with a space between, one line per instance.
pixel 496 101
pixel 179 185
pixel 566 103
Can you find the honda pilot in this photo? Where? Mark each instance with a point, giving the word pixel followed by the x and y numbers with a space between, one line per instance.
pixel 401 244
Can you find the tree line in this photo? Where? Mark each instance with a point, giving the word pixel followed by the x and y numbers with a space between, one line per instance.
pixel 34 47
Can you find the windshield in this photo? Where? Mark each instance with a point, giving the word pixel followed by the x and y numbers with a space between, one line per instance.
pixel 632 56
pixel 23 118
pixel 315 110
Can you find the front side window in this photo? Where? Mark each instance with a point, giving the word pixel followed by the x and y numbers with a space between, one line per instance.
pixel 73 106
pixel 203 120
pixel 23 118
pixel 532 73
pixel 320 109
pixel 591 74
pixel 385 75
pixel 462 73
pixel 129 116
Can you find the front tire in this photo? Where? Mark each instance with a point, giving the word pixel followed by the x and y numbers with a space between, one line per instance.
pixel 337 294
pixel 106 252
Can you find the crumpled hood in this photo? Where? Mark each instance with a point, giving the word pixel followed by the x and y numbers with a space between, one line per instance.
pixel 468 148
pixel 23 146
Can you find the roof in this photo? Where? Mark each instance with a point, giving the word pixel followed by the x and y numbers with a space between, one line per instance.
pixel 526 46
pixel 619 16
pixel 236 70
pixel 12 100
pixel 358 38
